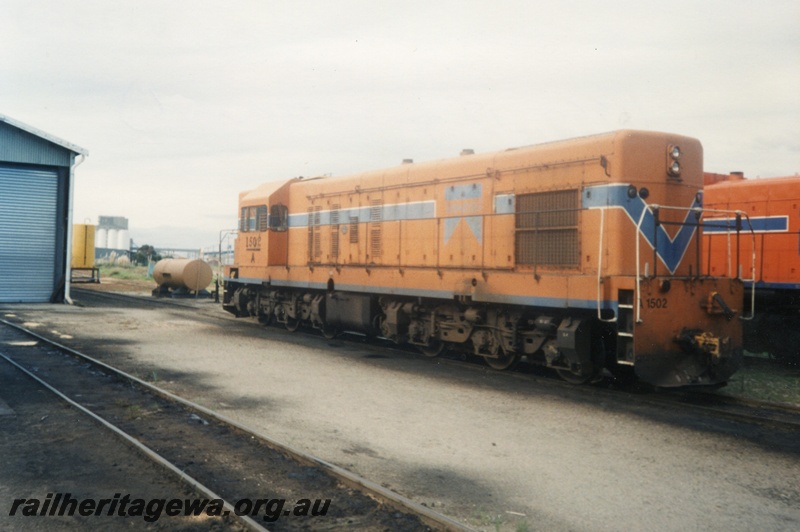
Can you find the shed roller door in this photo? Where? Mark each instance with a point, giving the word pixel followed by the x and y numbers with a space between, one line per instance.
pixel 27 234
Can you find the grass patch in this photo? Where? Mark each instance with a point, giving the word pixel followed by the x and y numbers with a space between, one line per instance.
pixel 131 273
pixel 764 380
pixel 487 518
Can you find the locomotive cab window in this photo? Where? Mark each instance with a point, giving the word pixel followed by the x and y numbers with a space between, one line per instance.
pixel 253 219
pixel 279 218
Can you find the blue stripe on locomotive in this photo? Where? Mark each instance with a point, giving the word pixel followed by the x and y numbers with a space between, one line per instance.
pixel 758 224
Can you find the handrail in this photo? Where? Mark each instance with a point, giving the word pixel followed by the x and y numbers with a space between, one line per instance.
pixel 738 214
pixel 638 297
pixel 753 267
pixel 600 268
pixel 600 262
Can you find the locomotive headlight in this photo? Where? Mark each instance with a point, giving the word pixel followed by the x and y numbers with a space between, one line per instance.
pixel 673 166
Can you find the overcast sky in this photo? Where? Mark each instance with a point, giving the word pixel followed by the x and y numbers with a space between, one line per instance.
pixel 182 104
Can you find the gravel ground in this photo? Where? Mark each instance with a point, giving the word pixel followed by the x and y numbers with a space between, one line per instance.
pixel 222 459
pixel 494 452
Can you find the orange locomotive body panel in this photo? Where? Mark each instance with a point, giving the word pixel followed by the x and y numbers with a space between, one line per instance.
pixel 767 252
pixel 581 255
pixel 770 222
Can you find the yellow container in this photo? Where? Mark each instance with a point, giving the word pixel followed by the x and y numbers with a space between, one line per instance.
pixel 83 246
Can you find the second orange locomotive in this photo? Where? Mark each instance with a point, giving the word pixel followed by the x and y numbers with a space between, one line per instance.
pixel 579 255
pixel 767 252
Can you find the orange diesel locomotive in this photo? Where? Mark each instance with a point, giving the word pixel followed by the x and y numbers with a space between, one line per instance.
pixel 579 255
pixel 768 212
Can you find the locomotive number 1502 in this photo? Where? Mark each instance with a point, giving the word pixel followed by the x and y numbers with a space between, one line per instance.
pixel 655 303
pixel 253 243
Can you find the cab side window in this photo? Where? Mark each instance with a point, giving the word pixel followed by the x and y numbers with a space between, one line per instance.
pixel 279 218
pixel 253 219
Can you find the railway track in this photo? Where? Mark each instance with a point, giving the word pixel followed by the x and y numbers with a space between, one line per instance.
pixel 700 401
pixel 218 457
pixel 704 403
pixel 198 304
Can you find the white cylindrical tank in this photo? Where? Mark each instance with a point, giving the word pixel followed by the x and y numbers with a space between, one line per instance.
pixel 111 240
pixel 123 239
pixel 192 274
pixel 101 238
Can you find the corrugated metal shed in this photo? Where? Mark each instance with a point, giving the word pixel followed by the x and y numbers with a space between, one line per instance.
pixel 21 143
pixel 36 177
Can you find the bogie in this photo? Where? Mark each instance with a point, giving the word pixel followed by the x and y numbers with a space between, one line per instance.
pixel 499 335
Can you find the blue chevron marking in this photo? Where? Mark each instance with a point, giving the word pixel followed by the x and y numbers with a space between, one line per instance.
pixel 461 201
pixel 670 250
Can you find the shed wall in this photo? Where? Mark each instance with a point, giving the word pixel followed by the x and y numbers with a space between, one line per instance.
pixel 18 146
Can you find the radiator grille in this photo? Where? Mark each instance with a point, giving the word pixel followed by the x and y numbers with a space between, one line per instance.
pixel 547 228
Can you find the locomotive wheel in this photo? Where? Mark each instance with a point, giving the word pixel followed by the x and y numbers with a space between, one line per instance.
pixel 433 349
pixel 573 378
pixel 292 324
pixel 329 332
pixel 265 319
pixel 504 361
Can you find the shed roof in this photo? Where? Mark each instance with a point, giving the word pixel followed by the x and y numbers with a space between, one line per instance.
pixel 46 136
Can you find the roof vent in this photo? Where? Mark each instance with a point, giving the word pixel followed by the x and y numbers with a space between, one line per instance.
pixel 467 151
pixel 408 161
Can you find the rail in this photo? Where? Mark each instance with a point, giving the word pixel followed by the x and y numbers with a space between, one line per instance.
pixel 391 501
